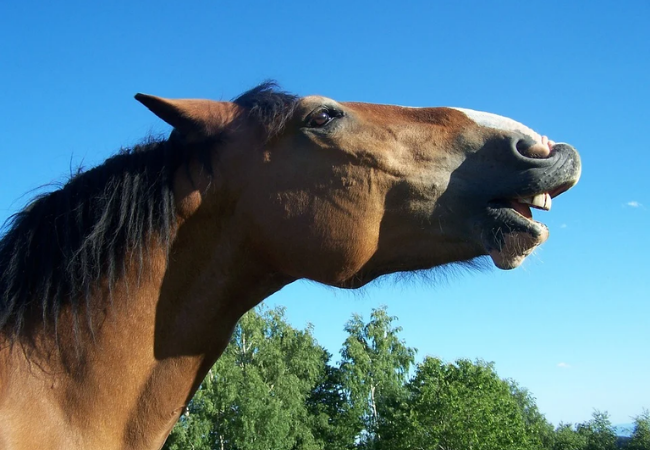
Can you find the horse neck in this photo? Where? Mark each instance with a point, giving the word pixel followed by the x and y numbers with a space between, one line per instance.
pixel 163 328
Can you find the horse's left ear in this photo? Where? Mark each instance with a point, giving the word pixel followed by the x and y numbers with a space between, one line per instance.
pixel 190 116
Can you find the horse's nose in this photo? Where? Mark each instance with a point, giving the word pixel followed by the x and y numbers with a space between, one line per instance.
pixel 531 148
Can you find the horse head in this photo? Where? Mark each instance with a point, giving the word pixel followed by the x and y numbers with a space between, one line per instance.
pixel 342 193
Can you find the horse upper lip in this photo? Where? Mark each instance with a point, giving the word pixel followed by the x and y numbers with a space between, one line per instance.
pixel 546 183
pixel 562 188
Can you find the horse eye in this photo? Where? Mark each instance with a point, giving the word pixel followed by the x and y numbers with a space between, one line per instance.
pixel 319 119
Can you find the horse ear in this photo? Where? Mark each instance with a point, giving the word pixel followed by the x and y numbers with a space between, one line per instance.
pixel 190 116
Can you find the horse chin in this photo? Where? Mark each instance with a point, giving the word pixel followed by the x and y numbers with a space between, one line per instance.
pixel 517 246
pixel 508 237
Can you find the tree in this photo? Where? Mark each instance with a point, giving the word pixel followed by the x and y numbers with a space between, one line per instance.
pixel 539 431
pixel 567 438
pixel 331 412
pixel 640 439
pixel 274 388
pixel 374 369
pixel 465 406
pixel 255 397
pixel 598 432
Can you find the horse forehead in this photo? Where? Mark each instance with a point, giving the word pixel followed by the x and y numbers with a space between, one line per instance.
pixel 309 102
pixel 317 99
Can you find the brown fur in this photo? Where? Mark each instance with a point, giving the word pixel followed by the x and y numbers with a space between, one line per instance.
pixel 340 207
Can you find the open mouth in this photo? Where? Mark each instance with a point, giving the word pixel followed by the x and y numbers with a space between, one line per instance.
pixel 523 205
pixel 542 201
pixel 511 233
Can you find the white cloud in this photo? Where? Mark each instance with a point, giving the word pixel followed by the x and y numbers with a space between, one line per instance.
pixel 564 225
pixel 563 365
pixel 633 204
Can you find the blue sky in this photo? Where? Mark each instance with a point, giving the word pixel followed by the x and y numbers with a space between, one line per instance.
pixel 572 324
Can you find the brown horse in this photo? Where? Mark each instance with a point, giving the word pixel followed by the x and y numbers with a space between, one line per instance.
pixel 119 291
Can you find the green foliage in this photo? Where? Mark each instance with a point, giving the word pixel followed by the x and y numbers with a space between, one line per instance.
pixel 539 431
pixel 332 417
pixel 567 438
pixel 465 406
pixel 640 439
pixel 274 388
pixel 255 397
pixel 598 432
pixel 374 368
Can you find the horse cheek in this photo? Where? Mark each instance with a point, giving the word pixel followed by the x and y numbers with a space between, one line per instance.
pixel 304 236
pixel 347 244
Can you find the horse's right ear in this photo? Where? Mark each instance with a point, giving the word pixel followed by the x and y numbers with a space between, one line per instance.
pixel 190 117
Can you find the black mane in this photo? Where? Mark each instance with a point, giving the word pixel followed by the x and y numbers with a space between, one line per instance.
pixel 55 250
pixel 268 106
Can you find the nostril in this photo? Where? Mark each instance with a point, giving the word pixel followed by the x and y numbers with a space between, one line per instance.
pixel 532 149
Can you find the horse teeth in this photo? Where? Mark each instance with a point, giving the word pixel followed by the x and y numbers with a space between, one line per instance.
pixel 540 201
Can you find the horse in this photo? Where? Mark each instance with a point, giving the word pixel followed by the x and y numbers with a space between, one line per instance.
pixel 121 289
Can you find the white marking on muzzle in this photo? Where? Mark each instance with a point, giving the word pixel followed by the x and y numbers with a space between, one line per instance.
pixel 495 121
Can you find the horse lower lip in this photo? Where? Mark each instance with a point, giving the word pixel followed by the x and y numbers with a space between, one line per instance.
pixel 513 207
pixel 521 214
pixel 508 236
pixel 521 208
